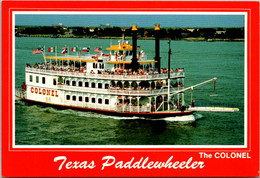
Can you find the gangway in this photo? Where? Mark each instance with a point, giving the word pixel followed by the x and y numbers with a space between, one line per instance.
pixel 208 109
pixel 213 109
pixel 191 87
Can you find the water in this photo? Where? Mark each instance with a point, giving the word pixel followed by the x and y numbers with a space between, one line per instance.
pixel 38 125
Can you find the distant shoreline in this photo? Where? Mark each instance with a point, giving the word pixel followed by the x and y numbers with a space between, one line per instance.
pixel 129 38
pixel 187 34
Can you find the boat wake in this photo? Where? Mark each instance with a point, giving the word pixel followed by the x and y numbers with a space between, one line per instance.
pixel 187 118
pixel 198 116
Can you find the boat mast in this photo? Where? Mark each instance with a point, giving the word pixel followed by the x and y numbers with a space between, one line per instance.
pixel 123 34
pixel 157 47
pixel 134 63
pixel 56 54
pixel 43 54
pixel 169 72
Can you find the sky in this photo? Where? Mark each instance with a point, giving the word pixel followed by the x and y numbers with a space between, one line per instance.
pixel 127 20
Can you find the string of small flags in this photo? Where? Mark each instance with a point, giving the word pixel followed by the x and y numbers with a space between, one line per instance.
pixel 64 50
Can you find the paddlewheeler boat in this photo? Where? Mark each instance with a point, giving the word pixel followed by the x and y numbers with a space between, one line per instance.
pixel 122 82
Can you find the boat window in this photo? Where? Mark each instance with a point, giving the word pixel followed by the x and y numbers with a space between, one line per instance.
pixel 95 65
pixel 74 98
pixel 93 85
pixel 86 99
pixel 80 98
pixel 106 86
pixel 99 85
pixel 80 83
pixel 67 97
pixel 67 82
pixel 73 83
pixel 31 78
pixel 99 101
pixel 37 79
pixel 54 81
pixel 106 101
pixel 93 100
pixel 86 84
pixel 43 80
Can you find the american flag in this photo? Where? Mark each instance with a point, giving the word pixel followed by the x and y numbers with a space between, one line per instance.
pixel 98 50
pixel 85 49
pixel 64 50
pixel 38 50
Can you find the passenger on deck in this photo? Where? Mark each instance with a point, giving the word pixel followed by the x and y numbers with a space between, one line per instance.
pixel 192 103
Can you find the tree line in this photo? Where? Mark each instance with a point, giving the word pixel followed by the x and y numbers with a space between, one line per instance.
pixel 172 33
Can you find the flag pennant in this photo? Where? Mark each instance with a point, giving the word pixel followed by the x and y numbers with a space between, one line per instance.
pixel 98 50
pixel 74 49
pixel 38 50
pixel 51 50
pixel 85 49
pixel 64 50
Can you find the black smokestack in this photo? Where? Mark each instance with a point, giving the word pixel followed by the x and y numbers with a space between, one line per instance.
pixel 157 47
pixel 134 64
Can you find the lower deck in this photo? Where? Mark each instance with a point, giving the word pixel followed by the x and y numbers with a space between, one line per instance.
pixel 113 112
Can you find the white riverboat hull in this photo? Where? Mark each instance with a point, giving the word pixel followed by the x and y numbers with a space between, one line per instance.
pixel 154 115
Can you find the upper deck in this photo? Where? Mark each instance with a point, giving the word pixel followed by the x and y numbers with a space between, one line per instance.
pixel 107 76
pixel 121 63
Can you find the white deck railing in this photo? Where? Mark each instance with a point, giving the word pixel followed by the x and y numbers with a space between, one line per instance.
pixel 133 109
pixel 104 76
pixel 119 91
pixel 143 92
